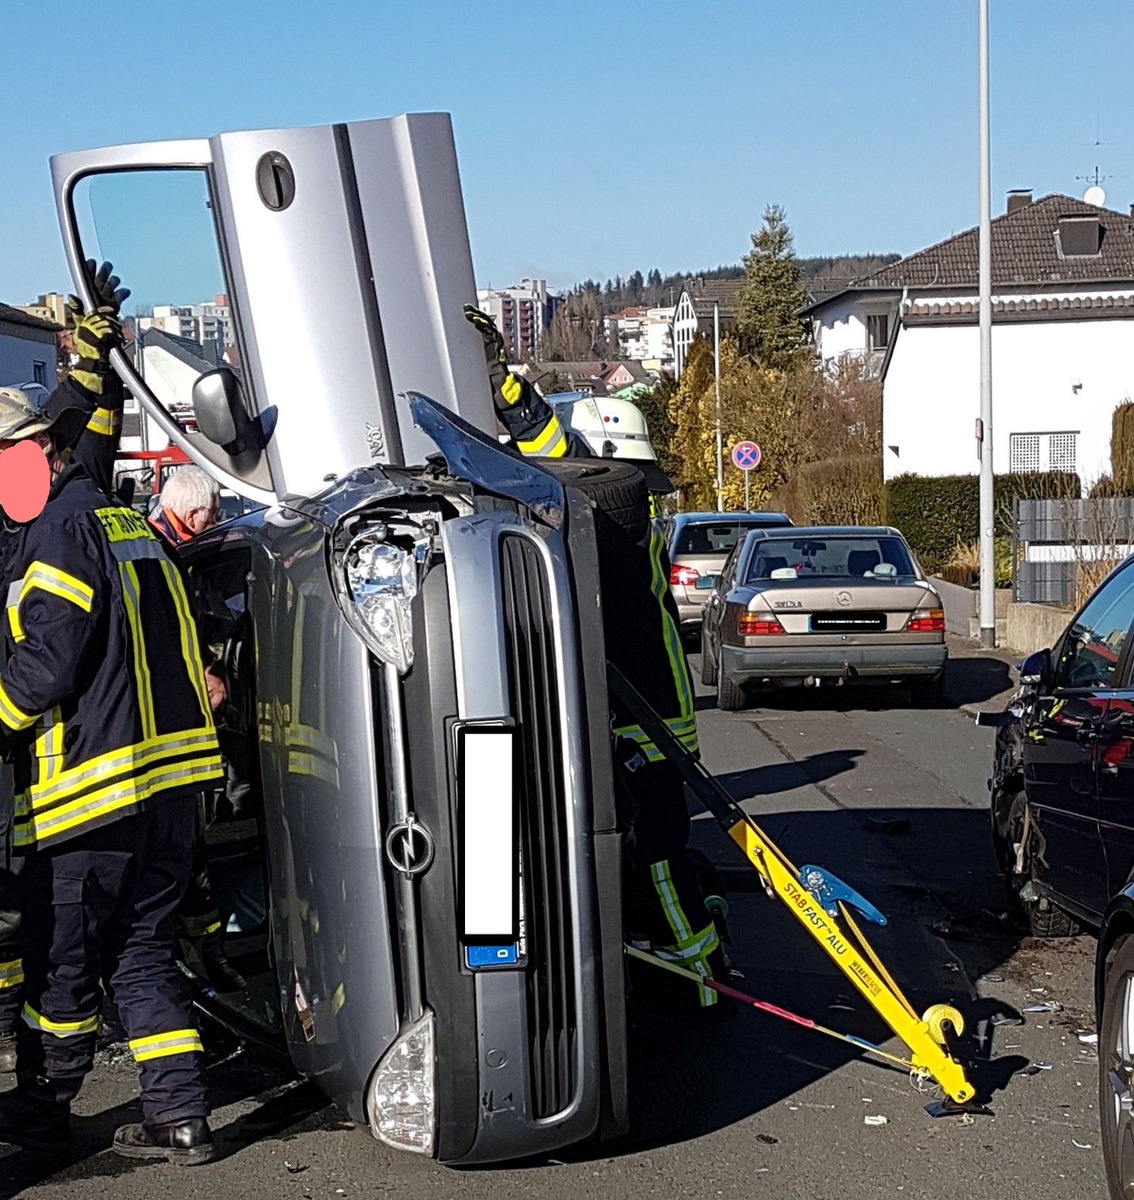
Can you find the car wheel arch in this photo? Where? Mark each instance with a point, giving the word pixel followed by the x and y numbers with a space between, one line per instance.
pixel 1117 926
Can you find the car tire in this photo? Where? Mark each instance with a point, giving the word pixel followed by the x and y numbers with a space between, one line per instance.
pixel 1040 917
pixel 730 696
pixel 618 490
pixel 708 665
pixel 1116 1070
pixel 928 693
pixel 666 1079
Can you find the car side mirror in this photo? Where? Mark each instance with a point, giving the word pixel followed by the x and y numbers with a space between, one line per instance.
pixel 704 582
pixel 1035 670
pixel 221 416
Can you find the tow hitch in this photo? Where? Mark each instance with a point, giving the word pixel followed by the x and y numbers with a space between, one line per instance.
pixel 822 904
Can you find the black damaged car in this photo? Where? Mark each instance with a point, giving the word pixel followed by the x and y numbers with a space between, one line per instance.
pixel 1063 825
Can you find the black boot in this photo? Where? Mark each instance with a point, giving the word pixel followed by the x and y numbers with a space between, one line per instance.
pixel 33 1118
pixel 187 1143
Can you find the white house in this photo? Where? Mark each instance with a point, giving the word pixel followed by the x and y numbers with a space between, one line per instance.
pixel 27 349
pixel 694 310
pixel 1063 294
pixel 644 335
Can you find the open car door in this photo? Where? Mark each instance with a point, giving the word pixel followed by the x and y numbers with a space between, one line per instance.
pixel 291 285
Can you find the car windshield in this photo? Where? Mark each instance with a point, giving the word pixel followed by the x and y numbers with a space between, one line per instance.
pixel 715 537
pixel 831 558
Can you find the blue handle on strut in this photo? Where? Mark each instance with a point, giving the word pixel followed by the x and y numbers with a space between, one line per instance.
pixel 829 890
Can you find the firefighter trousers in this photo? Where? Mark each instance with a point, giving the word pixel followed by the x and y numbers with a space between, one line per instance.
pixel 99 910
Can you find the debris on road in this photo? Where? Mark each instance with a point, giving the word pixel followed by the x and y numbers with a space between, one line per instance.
pixel 767 1139
pixel 1045 1006
pixel 1089 1039
pixel 992 978
pixel 875 1119
pixel 295 1168
pixel 1082 1145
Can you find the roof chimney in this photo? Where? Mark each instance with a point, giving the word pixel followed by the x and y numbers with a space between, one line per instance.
pixel 1019 198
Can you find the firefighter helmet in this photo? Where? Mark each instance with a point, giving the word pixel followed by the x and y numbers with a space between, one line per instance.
pixel 23 415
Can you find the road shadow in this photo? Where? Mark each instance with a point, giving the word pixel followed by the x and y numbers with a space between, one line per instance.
pixel 282 1102
pixel 976 680
pixel 787 775
pixel 973 680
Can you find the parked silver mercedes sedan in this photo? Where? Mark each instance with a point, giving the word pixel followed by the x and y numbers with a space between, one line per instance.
pixel 819 605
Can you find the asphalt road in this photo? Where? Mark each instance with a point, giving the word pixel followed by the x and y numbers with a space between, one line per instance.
pixel 894 801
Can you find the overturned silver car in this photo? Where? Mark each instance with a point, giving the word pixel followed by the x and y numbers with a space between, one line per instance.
pixel 417 858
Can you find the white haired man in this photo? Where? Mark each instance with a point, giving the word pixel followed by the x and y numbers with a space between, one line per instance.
pixel 189 504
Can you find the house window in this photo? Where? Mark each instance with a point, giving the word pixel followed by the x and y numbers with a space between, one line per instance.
pixel 1043 452
pixel 877 331
pixel 39 373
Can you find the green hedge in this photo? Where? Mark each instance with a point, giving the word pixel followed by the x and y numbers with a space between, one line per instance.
pixel 1122 450
pixel 937 512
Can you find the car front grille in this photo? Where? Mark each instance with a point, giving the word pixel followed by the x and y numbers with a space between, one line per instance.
pixel 534 686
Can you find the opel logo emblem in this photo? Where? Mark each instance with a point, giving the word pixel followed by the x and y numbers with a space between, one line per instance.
pixel 409 847
pixel 843 599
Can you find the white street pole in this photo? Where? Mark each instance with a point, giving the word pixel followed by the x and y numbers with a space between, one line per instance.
pixel 746 505
pixel 987 512
pixel 717 384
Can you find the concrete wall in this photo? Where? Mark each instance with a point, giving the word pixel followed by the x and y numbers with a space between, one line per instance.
pixel 1032 627
pixel 960 605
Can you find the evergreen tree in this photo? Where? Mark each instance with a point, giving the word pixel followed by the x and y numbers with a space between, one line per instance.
pixel 768 323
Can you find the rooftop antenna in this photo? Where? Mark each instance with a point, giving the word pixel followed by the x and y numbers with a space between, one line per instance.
pixel 1095 195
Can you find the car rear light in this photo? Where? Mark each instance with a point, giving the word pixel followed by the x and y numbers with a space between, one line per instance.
pixel 683 576
pixel 926 620
pixel 751 624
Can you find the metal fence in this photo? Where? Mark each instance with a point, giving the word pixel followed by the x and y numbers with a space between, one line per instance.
pixel 1054 541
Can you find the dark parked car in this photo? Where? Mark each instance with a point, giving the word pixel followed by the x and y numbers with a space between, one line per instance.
pixel 698 545
pixel 1063 825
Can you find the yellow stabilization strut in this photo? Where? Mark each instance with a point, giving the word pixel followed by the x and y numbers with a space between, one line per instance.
pixel 924 1036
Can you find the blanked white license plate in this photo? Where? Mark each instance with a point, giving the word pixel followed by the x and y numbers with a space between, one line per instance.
pixel 489 836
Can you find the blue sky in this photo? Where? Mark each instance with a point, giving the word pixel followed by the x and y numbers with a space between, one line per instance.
pixel 597 138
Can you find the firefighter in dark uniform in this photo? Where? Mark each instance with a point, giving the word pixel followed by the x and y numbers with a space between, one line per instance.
pixel 665 903
pixel 104 708
pixel 93 388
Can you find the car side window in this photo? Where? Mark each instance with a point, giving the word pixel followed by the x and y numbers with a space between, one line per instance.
pixel 1092 647
pixel 729 568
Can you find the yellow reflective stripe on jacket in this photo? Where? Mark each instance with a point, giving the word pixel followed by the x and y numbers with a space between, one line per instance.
pixel 13 716
pixel 659 585
pixel 684 729
pixel 40 827
pixel 131 596
pixel 49 746
pixel 11 973
pixel 59 583
pixel 117 762
pixel 105 421
pixel 59 1028
pixel 161 1045
pixel 547 441
pixel 189 650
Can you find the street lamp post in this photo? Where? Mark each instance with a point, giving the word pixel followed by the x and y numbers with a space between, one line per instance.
pixel 717 385
pixel 987 512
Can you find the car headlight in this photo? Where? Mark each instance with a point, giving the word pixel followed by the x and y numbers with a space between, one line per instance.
pixel 400 1101
pixel 382 579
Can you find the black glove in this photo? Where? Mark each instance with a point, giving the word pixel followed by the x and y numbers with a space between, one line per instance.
pixel 108 296
pixel 495 356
